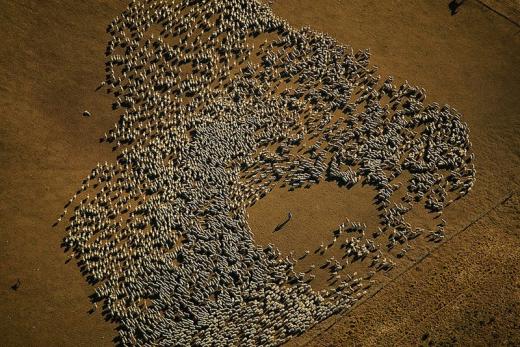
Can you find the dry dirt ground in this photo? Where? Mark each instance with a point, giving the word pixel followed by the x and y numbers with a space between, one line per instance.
pixel 464 291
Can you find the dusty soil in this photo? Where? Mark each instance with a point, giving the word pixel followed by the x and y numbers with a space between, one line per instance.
pixel 464 291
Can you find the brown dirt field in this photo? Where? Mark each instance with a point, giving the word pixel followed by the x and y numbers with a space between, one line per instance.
pixel 464 291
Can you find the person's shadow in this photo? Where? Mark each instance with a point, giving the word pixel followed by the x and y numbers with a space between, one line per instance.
pixel 281 225
pixel 454 6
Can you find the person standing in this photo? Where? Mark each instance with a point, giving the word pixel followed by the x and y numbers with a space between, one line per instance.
pixel 454 6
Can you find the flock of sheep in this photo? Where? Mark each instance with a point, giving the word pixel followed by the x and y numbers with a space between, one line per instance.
pixel 221 102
